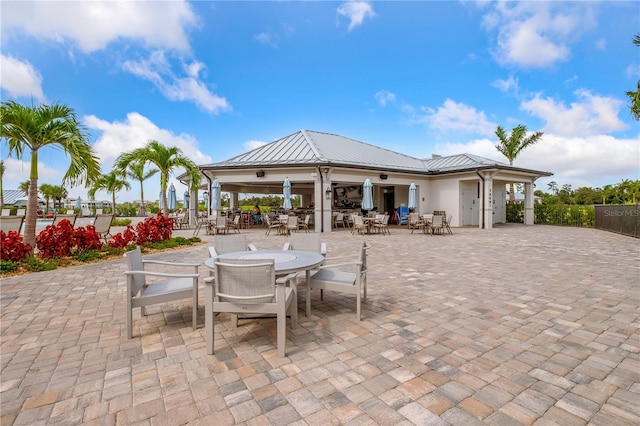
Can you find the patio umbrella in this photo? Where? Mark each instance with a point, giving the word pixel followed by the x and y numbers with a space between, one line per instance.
pixel 79 203
pixel 186 199
pixel 286 192
pixel 160 202
pixel 172 202
pixel 205 198
pixel 215 196
pixel 367 195
pixel 412 196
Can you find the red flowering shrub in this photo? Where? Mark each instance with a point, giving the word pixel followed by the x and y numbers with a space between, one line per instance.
pixel 59 240
pixel 87 238
pixel 124 238
pixel 55 241
pixel 154 229
pixel 12 248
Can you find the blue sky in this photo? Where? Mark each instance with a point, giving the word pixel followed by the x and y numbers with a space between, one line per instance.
pixel 421 78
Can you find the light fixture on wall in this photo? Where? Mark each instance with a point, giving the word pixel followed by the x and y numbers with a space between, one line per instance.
pixel 260 173
pixel 327 193
pixel 383 177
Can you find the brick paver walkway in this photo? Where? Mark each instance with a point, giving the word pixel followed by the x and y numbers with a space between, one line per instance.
pixel 516 325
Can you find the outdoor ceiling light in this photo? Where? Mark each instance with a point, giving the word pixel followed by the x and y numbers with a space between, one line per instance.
pixel 327 193
pixel 384 177
pixel 260 173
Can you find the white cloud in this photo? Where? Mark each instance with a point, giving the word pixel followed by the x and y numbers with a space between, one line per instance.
pixel 536 34
pixel 576 161
pixel 267 38
pixel 92 25
pixel 20 79
pixel 601 44
pixel 356 12
pixel 458 117
pixel 189 87
pixel 509 85
pixel 134 132
pixel 590 115
pixel 251 145
pixel 384 96
pixel 17 171
pixel 633 70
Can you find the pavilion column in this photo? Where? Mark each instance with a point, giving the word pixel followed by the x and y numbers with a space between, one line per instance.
pixel 193 208
pixel 233 200
pixel 528 204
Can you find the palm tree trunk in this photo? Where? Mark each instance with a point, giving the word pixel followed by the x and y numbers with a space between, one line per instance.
pixel 29 236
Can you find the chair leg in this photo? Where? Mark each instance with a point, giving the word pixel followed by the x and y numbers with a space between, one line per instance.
pixel 208 318
pixel 129 318
pixel 194 308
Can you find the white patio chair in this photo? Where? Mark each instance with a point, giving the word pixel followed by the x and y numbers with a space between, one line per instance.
pixel 223 244
pixel 249 286
pixel 306 242
pixel 358 224
pixel 272 225
pixel 437 224
pixel 174 286
pixel 348 275
pixel 6 212
pixel 292 224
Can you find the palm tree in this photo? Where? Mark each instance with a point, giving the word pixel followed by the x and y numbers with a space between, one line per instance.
pixel 511 145
pixel 24 187
pixel 47 192
pixel 634 97
pixel 111 182
pixel 165 159
pixel 33 128
pixel 58 193
pixel 135 170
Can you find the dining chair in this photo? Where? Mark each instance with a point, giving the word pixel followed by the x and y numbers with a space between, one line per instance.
pixel 59 217
pixel 437 224
pixel 344 275
pixel 249 286
pixel 223 244
pixel 271 225
pixel 306 242
pixel 304 225
pixel 146 287
pixel 292 224
pixel 358 225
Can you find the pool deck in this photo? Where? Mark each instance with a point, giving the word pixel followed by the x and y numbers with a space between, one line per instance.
pixel 514 325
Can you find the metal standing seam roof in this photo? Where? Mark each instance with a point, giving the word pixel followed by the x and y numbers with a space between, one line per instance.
pixel 307 147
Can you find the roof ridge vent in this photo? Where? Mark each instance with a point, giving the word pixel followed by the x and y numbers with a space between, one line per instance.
pixel 436 156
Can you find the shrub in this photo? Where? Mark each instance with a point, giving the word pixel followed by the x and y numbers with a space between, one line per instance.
pixel 124 238
pixel 12 248
pixel 7 266
pixel 33 264
pixel 59 240
pixel 154 229
pixel 87 255
pixel 120 222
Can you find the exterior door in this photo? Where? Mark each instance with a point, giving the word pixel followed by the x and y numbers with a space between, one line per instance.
pixel 470 205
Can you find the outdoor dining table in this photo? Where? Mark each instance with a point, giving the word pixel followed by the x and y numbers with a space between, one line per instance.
pixel 285 261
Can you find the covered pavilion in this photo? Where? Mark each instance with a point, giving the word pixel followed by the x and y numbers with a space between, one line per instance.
pixel 327 171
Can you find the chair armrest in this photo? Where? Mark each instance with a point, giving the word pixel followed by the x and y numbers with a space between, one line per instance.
pixel 163 262
pixel 252 247
pixel 286 246
pixel 162 274
pixel 209 280
pixel 284 280
pixel 335 265
pixel 323 249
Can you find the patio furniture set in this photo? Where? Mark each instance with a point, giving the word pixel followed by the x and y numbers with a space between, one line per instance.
pixel 436 223
pixel 248 283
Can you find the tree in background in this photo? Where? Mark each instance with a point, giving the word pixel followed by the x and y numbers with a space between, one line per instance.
pixel 59 193
pixel 33 128
pixel 24 187
pixel 166 159
pixel 47 192
pixel 112 182
pixel 136 170
pixel 634 97
pixel 511 145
